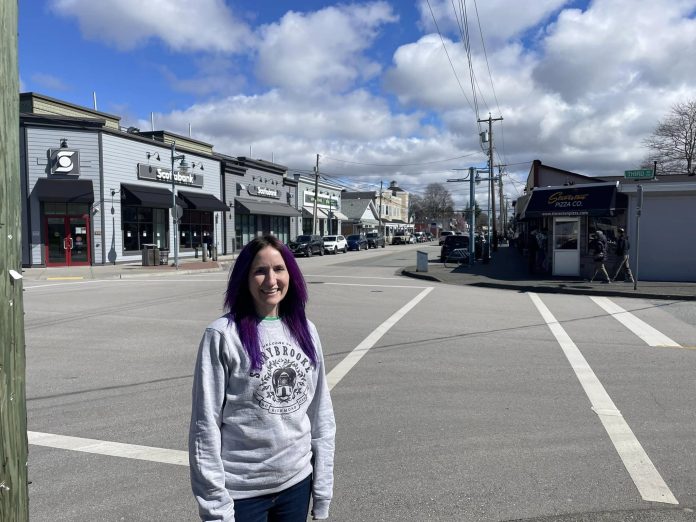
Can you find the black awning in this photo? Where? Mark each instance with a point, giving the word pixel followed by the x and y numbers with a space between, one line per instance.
pixel 200 201
pixel 64 190
pixel 250 206
pixel 576 200
pixel 147 196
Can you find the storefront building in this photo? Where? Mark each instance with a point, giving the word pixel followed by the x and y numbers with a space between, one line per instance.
pixel 262 198
pixel 96 193
pixel 329 217
pixel 562 218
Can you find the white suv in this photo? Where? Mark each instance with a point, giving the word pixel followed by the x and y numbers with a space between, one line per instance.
pixel 335 244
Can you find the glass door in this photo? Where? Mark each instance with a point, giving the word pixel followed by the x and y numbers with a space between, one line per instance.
pixel 566 246
pixel 67 240
pixel 78 233
pixel 56 241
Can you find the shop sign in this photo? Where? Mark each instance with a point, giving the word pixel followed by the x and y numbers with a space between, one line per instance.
pixel 154 173
pixel 322 200
pixel 263 192
pixel 64 161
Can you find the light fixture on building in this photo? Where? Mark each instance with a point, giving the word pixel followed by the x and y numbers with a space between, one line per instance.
pixel 64 143
pixel 153 155
pixel 198 164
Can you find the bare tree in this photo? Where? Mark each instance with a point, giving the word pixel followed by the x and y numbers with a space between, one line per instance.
pixel 437 202
pixel 673 142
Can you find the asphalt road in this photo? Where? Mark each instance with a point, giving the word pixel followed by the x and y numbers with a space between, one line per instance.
pixel 472 406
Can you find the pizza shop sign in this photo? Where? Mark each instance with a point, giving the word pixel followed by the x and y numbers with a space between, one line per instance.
pixel 565 201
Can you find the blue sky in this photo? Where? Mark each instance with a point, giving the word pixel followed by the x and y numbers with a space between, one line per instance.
pixel 368 85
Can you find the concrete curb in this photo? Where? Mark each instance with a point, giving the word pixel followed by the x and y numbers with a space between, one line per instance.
pixel 546 289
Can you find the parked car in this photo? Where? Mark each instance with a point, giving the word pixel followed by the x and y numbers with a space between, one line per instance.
pixel 307 245
pixel 444 234
pixel 357 242
pixel 452 242
pixel 374 240
pixel 401 237
pixel 420 237
pixel 335 244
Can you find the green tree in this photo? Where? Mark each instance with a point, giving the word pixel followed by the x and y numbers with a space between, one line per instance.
pixel 673 142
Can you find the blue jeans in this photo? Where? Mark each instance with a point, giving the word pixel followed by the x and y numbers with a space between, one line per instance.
pixel 290 505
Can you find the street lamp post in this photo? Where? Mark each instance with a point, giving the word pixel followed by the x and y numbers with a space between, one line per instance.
pixel 175 211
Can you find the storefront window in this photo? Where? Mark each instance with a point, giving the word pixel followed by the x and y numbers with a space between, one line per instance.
pixel 65 209
pixel 195 228
pixel 608 225
pixel 144 225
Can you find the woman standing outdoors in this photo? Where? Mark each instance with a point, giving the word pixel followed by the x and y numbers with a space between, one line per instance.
pixel 262 431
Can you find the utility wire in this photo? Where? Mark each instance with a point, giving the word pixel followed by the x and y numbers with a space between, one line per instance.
pixel 448 57
pixel 398 164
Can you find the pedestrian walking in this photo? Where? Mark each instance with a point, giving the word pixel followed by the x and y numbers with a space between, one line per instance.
pixel 599 248
pixel 622 265
pixel 262 433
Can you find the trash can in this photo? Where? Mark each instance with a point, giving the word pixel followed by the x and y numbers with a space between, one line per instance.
pixel 164 256
pixel 150 256
pixel 421 261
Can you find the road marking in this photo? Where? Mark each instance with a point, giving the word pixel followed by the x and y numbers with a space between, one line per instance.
pixel 112 449
pixel 373 286
pixel 356 277
pixel 180 458
pixel 341 369
pixel 65 278
pixel 639 327
pixel 645 476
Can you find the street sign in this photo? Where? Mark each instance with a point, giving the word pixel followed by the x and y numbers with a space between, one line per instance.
pixel 638 174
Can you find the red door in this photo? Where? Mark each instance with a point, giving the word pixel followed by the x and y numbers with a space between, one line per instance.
pixel 67 240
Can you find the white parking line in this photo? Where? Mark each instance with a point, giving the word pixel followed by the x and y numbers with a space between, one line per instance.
pixel 645 476
pixel 639 327
pixel 341 369
pixel 112 449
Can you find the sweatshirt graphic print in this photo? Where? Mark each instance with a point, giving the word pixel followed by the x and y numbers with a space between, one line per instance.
pixel 254 433
pixel 283 386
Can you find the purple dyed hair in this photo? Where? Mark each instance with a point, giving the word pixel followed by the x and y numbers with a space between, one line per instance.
pixel 291 310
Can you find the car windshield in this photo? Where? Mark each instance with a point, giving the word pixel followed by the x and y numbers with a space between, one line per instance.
pixel 303 239
pixel 373 234
pixel 329 238
pixel 354 237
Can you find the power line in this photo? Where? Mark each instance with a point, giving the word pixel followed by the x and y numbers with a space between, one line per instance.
pixel 448 56
pixel 398 164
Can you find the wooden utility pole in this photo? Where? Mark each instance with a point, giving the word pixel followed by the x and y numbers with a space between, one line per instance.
pixel 316 196
pixel 14 499
pixel 491 183
pixel 379 212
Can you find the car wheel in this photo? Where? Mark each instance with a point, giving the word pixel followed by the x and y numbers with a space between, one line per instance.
pixel 345 250
pixel 308 252
pixel 321 251
pixel 382 245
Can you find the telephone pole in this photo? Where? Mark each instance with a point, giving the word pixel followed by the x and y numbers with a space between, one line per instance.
pixel 490 121
pixel 14 498
pixel 500 199
pixel 379 212
pixel 316 196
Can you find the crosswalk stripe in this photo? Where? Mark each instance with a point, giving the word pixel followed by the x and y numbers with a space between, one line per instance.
pixel 643 472
pixel 112 449
pixel 639 327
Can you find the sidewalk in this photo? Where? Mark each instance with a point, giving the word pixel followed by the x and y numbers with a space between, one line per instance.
pixel 126 271
pixel 508 270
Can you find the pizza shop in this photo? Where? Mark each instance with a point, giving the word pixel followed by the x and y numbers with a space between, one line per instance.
pixel 564 217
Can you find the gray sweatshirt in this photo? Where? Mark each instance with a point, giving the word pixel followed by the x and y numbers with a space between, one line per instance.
pixel 260 432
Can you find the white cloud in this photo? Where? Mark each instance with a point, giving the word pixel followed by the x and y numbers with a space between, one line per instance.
pixel 323 50
pixel 48 81
pixel 184 25
pixel 500 20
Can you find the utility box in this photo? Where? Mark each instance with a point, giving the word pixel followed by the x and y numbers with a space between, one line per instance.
pixel 421 261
